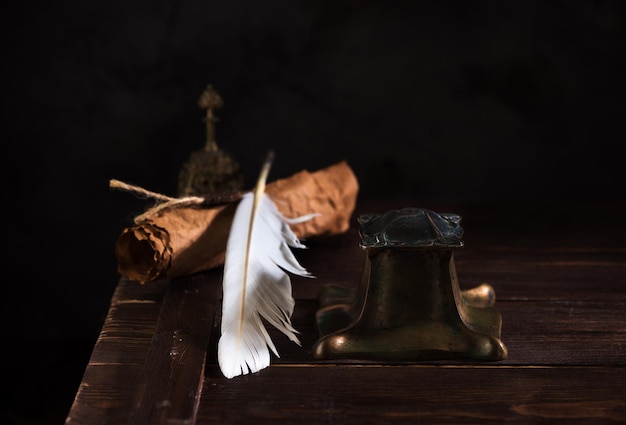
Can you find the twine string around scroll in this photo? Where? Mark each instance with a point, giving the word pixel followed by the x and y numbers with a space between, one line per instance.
pixel 166 202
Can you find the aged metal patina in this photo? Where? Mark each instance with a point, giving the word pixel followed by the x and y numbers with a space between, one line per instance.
pixel 409 305
pixel 210 170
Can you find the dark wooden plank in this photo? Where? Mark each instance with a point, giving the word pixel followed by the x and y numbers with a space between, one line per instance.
pixel 105 393
pixel 104 396
pixel 574 274
pixel 171 382
pixel 322 394
pixel 564 333
pixel 128 328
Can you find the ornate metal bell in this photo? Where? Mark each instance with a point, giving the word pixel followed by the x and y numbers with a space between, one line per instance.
pixel 210 170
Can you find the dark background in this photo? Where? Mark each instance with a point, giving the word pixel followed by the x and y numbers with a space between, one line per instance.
pixel 448 100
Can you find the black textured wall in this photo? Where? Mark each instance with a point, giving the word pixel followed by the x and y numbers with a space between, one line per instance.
pixel 458 100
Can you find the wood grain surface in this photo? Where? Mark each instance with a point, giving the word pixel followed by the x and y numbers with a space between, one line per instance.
pixel 558 270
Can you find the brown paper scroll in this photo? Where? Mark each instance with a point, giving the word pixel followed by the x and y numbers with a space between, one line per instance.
pixel 185 240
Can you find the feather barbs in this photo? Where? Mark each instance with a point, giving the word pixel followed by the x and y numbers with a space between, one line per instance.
pixel 256 283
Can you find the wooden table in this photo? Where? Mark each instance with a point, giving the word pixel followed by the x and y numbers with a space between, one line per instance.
pixel 559 272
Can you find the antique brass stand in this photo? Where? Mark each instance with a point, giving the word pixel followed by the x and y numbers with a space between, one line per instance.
pixel 409 305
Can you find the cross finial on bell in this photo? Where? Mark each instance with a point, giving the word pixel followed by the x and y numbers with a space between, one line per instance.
pixel 210 100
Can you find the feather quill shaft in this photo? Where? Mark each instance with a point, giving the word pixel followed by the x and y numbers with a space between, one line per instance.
pixel 256 284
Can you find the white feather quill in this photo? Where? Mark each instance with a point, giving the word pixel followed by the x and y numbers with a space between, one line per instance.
pixel 255 284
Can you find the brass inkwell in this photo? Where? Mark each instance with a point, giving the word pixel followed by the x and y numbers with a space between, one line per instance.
pixel 408 306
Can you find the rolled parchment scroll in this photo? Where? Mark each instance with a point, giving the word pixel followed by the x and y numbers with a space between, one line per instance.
pixel 183 240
